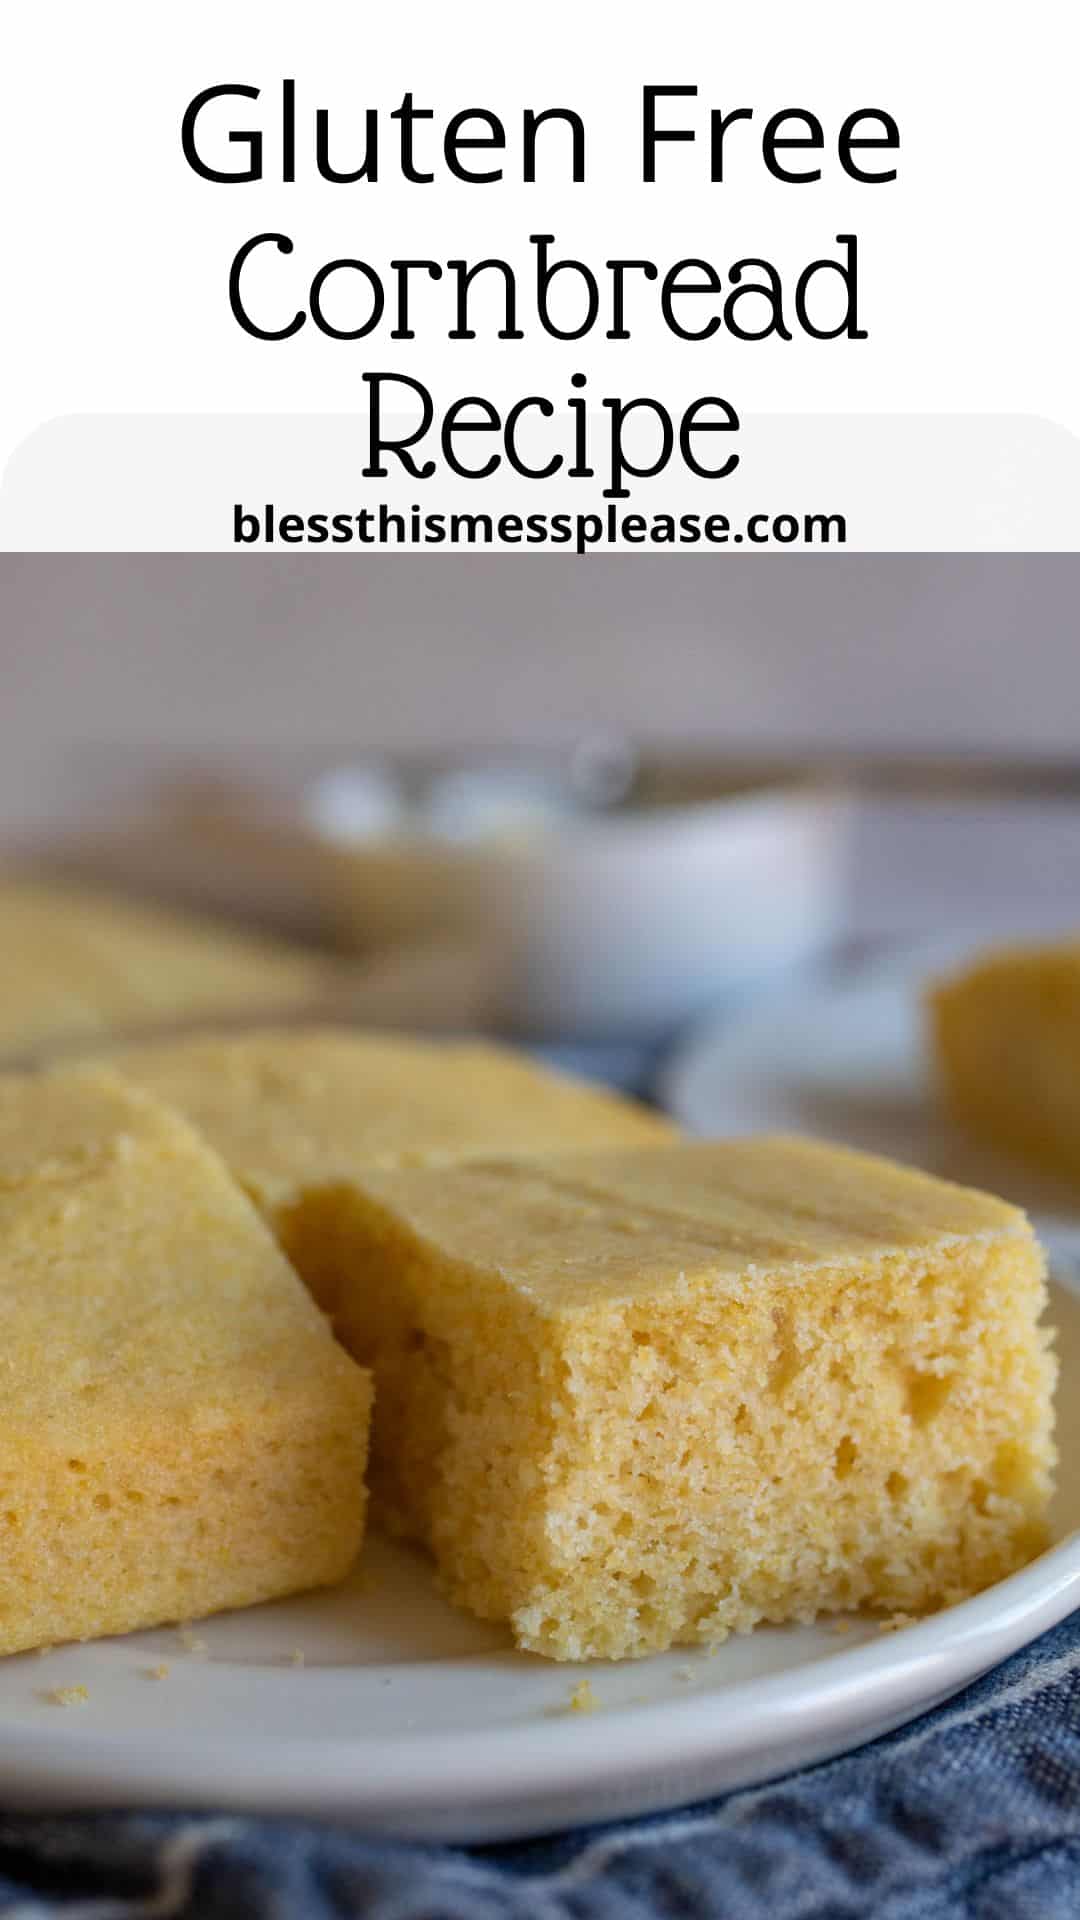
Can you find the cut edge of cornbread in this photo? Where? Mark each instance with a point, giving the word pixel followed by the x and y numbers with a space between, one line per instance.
pixel 179 1432
pixel 762 1440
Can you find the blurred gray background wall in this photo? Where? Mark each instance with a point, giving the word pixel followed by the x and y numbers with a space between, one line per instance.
pixel 212 651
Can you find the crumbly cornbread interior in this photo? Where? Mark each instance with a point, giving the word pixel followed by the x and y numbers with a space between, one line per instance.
pixel 179 1432
pixel 642 1398
pixel 79 964
pixel 1005 1035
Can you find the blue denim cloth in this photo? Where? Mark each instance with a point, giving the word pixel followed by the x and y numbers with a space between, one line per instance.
pixel 970 1813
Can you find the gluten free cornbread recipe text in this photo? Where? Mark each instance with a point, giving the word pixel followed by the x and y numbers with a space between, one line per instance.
pixel 630 1391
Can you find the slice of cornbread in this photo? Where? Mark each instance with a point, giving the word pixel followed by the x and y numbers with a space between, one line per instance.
pixel 301 1113
pixel 78 964
pixel 179 1432
pixel 1005 1033
pixel 643 1398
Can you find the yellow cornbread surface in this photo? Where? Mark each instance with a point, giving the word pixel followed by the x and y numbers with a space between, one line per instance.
pixel 179 1432
pixel 297 1112
pixel 1005 1033
pixel 642 1398
pixel 76 964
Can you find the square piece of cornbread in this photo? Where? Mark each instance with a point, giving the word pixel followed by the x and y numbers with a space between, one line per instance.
pixel 179 1431
pixel 1005 1035
pixel 78 964
pixel 642 1398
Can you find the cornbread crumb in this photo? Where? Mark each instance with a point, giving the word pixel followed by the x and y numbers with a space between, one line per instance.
pixel 160 1672
pixel 841 1625
pixel 583 1699
pixel 808 1382
pixel 68 1696
pixel 297 1657
pixel 897 1621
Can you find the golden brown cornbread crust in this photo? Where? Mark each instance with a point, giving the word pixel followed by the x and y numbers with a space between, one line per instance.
pixel 298 1115
pixel 291 1110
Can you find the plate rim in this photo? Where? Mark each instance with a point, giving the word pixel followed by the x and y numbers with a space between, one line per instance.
pixel 507 1781
pixel 891 963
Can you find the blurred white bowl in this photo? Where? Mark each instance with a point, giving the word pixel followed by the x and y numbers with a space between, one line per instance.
pixel 593 924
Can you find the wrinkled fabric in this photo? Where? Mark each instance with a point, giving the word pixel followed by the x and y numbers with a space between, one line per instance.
pixel 970 1813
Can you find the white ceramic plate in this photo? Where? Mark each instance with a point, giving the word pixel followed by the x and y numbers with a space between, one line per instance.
pixel 407 1718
